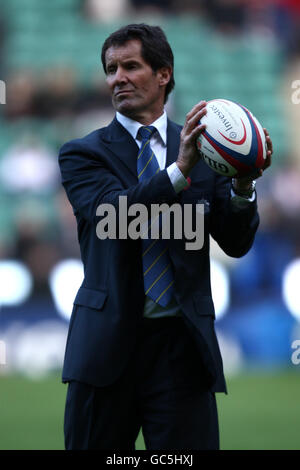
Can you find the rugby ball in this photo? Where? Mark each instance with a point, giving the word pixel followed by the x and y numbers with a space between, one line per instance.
pixel 233 143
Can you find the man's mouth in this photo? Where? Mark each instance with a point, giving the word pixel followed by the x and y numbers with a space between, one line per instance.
pixel 123 92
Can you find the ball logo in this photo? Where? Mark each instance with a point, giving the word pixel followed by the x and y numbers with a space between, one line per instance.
pixel 221 167
pixel 239 142
pixel 222 117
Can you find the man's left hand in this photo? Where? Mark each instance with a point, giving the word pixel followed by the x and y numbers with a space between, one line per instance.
pixel 243 183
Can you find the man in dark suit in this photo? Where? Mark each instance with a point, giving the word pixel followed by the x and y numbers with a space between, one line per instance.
pixel 142 350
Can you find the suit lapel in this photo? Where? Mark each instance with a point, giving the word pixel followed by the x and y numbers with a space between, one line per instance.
pixel 173 141
pixel 118 141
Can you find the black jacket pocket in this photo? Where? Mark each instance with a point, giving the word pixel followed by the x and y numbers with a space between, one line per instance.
pixel 92 298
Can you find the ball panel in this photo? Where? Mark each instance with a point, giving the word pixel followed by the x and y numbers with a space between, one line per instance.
pixel 213 159
pixel 248 160
pixel 257 147
pixel 227 155
pixel 263 154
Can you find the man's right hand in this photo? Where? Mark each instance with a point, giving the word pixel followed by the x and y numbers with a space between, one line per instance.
pixel 188 154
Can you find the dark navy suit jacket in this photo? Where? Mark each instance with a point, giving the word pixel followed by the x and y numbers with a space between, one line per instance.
pixel 108 308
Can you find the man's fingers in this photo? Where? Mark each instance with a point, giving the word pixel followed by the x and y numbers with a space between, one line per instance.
pixel 268 140
pixel 197 131
pixel 195 110
pixel 191 137
pixel 268 161
pixel 269 144
pixel 194 121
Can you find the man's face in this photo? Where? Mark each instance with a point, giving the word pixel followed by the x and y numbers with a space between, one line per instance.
pixel 134 87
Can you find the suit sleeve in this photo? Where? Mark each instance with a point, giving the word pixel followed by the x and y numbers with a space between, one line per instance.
pixel 89 182
pixel 233 228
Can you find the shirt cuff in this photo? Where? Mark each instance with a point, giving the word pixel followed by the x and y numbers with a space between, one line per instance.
pixel 177 179
pixel 241 202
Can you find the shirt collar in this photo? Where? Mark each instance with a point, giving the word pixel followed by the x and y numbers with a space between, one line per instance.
pixel 133 126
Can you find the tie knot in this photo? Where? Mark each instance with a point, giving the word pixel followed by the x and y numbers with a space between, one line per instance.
pixel 146 132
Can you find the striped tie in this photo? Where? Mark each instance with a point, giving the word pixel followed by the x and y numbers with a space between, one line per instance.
pixel 158 275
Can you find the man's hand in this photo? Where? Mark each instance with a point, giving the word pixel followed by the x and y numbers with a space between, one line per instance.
pixel 188 154
pixel 244 183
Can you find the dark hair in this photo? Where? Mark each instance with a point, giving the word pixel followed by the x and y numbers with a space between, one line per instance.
pixel 156 50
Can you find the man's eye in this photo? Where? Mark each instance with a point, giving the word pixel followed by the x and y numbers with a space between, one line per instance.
pixel 111 70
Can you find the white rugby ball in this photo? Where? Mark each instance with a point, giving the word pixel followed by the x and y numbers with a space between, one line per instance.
pixel 233 143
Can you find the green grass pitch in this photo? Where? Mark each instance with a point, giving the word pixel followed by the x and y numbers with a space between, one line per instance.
pixel 261 411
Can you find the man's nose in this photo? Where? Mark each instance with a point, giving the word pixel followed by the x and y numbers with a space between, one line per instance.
pixel 120 76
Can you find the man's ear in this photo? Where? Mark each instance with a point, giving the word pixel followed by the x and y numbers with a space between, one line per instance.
pixel 164 75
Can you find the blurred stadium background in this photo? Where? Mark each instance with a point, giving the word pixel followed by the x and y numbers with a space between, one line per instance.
pixel 247 51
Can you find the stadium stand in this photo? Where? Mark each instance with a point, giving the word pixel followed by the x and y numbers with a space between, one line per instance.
pixel 207 65
pixel 47 39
